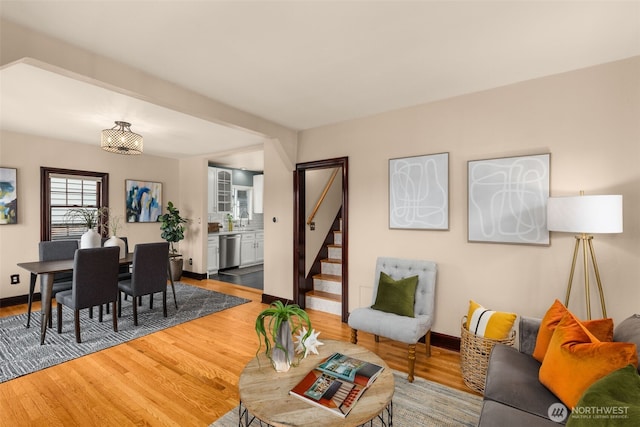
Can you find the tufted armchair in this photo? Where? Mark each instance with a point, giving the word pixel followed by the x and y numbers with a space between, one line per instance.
pixel 396 327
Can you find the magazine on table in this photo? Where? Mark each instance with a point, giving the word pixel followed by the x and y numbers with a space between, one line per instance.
pixel 337 383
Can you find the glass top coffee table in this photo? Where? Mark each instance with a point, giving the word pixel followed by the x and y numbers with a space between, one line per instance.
pixel 264 393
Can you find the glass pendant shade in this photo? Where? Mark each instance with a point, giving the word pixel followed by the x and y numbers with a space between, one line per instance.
pixel 121 140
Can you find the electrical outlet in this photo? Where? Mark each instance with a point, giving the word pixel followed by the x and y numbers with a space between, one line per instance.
pixel 190 261
pixel 15 279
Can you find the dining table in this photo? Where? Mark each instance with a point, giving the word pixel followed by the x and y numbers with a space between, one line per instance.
pixel 47 269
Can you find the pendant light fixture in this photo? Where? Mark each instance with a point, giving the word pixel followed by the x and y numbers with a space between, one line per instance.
pixel 119 139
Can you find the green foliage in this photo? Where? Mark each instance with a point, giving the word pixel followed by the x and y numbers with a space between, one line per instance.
pixel 276 314
pixel 172 226
pixel 88 217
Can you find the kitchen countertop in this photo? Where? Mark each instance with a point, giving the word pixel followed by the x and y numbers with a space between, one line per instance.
pixel 237 231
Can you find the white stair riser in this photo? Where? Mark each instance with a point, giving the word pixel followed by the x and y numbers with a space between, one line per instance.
pixel 331 268
pixel 328 286
pixel 337 238
pixel 324 305
pixel 335 253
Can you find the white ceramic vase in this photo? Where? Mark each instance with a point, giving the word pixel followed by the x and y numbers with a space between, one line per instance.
pixel 90 239
pixel 116 241
pixel 282 360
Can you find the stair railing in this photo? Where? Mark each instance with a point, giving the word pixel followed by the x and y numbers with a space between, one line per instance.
pixel 322 196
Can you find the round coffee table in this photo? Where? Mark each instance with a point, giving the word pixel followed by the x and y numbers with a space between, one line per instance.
pixel 264 393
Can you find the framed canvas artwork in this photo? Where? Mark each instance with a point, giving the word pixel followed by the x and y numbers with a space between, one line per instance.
pixel 8 195
pixel 143 200
pixel 419 192
pixel 507 200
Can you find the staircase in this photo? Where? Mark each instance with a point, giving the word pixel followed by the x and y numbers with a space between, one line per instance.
pixel 326 295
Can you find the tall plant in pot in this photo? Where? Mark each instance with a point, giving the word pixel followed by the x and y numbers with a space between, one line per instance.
pixel 172 226
pixel 275 327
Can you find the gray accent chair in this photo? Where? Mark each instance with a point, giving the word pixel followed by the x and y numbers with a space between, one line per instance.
pixel 405 329
pixel 148 276
pixel 95 282
pixel 54 250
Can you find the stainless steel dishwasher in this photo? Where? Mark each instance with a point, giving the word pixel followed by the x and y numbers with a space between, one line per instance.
pixel 229 251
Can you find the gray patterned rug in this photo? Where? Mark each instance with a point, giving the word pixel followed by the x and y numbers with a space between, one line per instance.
pixel 419 404
pixel 21 352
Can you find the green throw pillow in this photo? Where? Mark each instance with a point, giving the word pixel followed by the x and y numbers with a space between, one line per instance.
pixel 613 400
pixel 396 296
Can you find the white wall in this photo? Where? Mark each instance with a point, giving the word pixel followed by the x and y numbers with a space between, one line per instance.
pixel 19 242
pixel 589 120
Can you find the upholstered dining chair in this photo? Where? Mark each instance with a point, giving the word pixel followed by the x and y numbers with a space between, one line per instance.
pixel 148 276
pixel 399 325
pixel 54 250
pixel 95 282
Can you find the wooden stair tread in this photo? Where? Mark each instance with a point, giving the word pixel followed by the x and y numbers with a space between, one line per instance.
pixel 325 295
pixel 332 260
pixel 328 277
pixel 333 245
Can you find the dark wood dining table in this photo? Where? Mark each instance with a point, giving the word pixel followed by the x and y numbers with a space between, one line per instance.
pixel 46 271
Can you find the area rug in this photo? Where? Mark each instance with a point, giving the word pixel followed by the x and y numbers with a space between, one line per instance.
pixel 419 404
pixel 21 352
pixel 242 271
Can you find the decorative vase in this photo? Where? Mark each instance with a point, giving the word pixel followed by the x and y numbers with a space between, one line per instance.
pixel 116 241
pixel 230 225
pixel 90 239
pixel 282 360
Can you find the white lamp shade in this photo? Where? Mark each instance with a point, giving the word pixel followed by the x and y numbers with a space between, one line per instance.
pixel 585 214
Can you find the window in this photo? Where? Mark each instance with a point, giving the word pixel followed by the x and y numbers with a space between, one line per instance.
pixel 64 189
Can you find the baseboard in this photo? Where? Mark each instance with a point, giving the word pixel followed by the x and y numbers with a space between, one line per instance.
pixel 448 342
pixel 192 275
pixel 17 300
pixel 268 299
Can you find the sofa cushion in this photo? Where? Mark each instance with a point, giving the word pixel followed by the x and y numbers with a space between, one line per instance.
pixel 496 414
pixel 616 397
pixel 396 296
pixel 576 359
pixel 629 331
pixel 489 323
pixel 601 328
pixel 512 379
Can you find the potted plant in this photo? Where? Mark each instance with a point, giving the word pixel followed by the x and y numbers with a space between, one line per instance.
pixel 89 218
pixel 275 326
pixel 172 226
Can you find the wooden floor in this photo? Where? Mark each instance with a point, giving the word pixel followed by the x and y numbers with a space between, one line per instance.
pixel 186 375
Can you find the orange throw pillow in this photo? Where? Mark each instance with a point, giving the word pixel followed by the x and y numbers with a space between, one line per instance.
pixel 601 328
pixel 576 359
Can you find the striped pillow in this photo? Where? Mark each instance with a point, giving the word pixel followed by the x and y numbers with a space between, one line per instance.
pixel 489 323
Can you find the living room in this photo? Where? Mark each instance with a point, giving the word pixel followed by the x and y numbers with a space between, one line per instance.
pixel 585 117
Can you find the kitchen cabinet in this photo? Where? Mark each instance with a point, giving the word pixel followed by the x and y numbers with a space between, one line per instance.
pixel 213 251
pixel 258 191
pixel 251 248
pixel 219 186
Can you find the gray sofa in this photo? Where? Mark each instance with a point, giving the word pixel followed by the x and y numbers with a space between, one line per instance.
pixel 513 395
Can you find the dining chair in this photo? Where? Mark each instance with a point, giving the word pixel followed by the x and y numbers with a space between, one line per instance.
pixel 54 250
pixel 148 276
pixel 95 282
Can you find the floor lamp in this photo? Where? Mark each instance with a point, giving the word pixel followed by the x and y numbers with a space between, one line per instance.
pixel 585 215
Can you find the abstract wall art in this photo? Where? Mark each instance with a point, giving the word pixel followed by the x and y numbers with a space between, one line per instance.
pixel 419 192
pixel 143 200
pixel 8 195
pixel 508 199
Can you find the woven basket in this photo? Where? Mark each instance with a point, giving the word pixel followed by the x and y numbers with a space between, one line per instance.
pixel 474 356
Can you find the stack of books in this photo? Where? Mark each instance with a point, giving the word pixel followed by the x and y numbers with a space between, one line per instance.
pixel 337 383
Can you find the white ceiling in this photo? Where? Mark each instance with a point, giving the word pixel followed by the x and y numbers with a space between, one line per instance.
pixel 308 63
